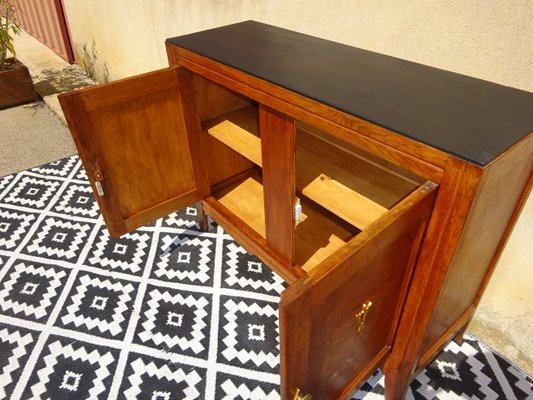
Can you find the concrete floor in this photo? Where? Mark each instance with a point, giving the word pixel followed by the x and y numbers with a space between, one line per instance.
pixel 35 134
pixel 31 135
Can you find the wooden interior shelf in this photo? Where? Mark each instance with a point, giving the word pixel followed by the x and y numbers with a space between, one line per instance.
pixel 316 236
pixel 238 130
pixel 343 201
pixel 316 157
pixel 245 199
pixel 359 195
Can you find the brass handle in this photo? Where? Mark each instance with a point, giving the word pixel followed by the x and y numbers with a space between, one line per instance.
pixel 360 316
pixel 299 396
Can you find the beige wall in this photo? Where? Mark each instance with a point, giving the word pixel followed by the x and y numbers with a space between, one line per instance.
pixel 504 319
pixel 488 39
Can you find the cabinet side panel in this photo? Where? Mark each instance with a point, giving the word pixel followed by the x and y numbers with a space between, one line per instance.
pixel 498 196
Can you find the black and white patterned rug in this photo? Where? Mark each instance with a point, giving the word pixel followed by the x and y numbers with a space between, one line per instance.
pixel 167 312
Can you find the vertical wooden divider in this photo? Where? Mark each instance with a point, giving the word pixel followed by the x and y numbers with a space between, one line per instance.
pixel 278 153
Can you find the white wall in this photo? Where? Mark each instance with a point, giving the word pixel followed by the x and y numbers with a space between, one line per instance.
pixel 489 39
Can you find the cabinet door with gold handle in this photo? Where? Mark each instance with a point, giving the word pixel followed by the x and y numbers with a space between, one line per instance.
pixel 337 326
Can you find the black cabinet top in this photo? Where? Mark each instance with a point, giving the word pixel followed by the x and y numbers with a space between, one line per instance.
pixel 470 118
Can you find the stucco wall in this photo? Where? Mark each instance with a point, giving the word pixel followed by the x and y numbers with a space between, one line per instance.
pixel 491 40
pixel 487 39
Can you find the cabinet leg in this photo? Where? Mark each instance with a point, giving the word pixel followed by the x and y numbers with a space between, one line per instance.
pixel 202 217
pixel 396 384
pixel 458 338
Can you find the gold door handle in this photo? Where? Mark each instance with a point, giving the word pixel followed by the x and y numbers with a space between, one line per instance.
pixel 299 396
pixel 360 316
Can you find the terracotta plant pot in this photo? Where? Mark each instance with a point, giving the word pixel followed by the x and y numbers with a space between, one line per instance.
pixel 16 86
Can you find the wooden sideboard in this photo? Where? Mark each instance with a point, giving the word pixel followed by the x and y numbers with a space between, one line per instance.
pixel 382 191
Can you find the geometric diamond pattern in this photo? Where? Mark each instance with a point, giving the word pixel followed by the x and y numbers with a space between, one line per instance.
pixel 59 238
pixel 466 371
pixel 125 254
pixel 72 370
pixel 99 305
pixel 29 290
pixel 15 346
pixel 185 258
pixel 244 271
pixel 152 379
pixel 77 200
pixel 165 312
pixel 13 227
pixel 81 175
pixel 60 168
pixel 185 218
pixel 4 181
pixel 453 381
pixel 231 387
pixel 249 333
pixel 175 320
pixel 32 192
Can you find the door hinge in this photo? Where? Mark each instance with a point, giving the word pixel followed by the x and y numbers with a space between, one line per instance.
pixel 297 211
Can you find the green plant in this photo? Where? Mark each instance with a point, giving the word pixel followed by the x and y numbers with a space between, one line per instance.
pixel 8 28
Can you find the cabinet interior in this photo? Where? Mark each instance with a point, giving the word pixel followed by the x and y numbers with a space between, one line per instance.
pixel 342 190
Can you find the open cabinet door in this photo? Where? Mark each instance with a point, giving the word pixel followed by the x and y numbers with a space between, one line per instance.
pixel 338 325
pixel 139 142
